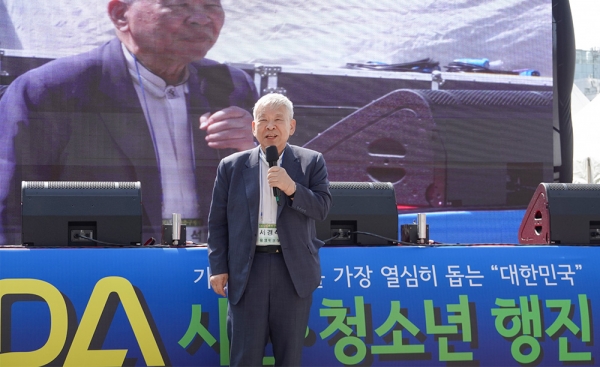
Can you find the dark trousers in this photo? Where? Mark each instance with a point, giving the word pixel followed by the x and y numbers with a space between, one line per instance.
pixel 269 308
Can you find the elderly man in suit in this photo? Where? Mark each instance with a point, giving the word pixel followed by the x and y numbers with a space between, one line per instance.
pixel 146 106
pixel 263 251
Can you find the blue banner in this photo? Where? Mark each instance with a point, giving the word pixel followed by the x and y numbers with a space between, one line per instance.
pixel 384 306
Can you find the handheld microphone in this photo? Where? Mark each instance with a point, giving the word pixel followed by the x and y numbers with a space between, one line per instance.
pixel 271 157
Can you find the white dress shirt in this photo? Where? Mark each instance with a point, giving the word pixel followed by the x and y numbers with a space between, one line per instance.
pixel 165 108
pixel 267 214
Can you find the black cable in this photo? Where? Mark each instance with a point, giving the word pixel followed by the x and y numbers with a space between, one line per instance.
pixel 394 242
pixel 332 238
pixel 100 242
pixel 150 243
pixel 420 66
pixel 430 244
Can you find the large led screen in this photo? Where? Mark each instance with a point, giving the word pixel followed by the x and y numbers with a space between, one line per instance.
pixel 449 100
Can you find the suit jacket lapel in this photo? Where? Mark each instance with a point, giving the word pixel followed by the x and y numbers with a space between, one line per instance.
pixel 122 115
pixel 291 163
pixel 121 110
pixel 251 177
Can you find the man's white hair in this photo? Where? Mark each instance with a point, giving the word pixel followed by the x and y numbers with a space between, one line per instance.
pixel 273 100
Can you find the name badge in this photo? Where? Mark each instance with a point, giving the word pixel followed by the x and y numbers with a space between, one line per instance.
pixel 267 235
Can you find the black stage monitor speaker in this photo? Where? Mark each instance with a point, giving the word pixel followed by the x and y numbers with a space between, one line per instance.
pixel 56 213
pixel 368 207
pixel 561 213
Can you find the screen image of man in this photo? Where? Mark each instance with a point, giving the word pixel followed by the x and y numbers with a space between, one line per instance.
pixel 262 250
pixel 146 106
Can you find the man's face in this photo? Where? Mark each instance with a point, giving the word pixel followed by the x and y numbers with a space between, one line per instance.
pixel 181 29
pixel 273 126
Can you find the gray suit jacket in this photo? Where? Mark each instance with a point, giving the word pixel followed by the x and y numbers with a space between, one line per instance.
pixel 233 218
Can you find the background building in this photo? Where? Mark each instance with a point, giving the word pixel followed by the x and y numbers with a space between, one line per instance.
pixel 587 72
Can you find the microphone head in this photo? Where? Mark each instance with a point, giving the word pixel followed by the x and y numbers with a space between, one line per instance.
pixel 272 155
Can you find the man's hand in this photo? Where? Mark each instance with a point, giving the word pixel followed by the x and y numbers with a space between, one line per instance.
pixel 218 283
pixel 278 177
pixel 229 128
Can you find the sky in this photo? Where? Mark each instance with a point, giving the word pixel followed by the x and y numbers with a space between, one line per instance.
pixel 586 22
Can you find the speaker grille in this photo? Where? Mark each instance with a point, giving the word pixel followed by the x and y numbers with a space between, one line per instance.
pixel 571 187
pixel 80 185
pixel 33 184
pixel 489 98
pixel 361 186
